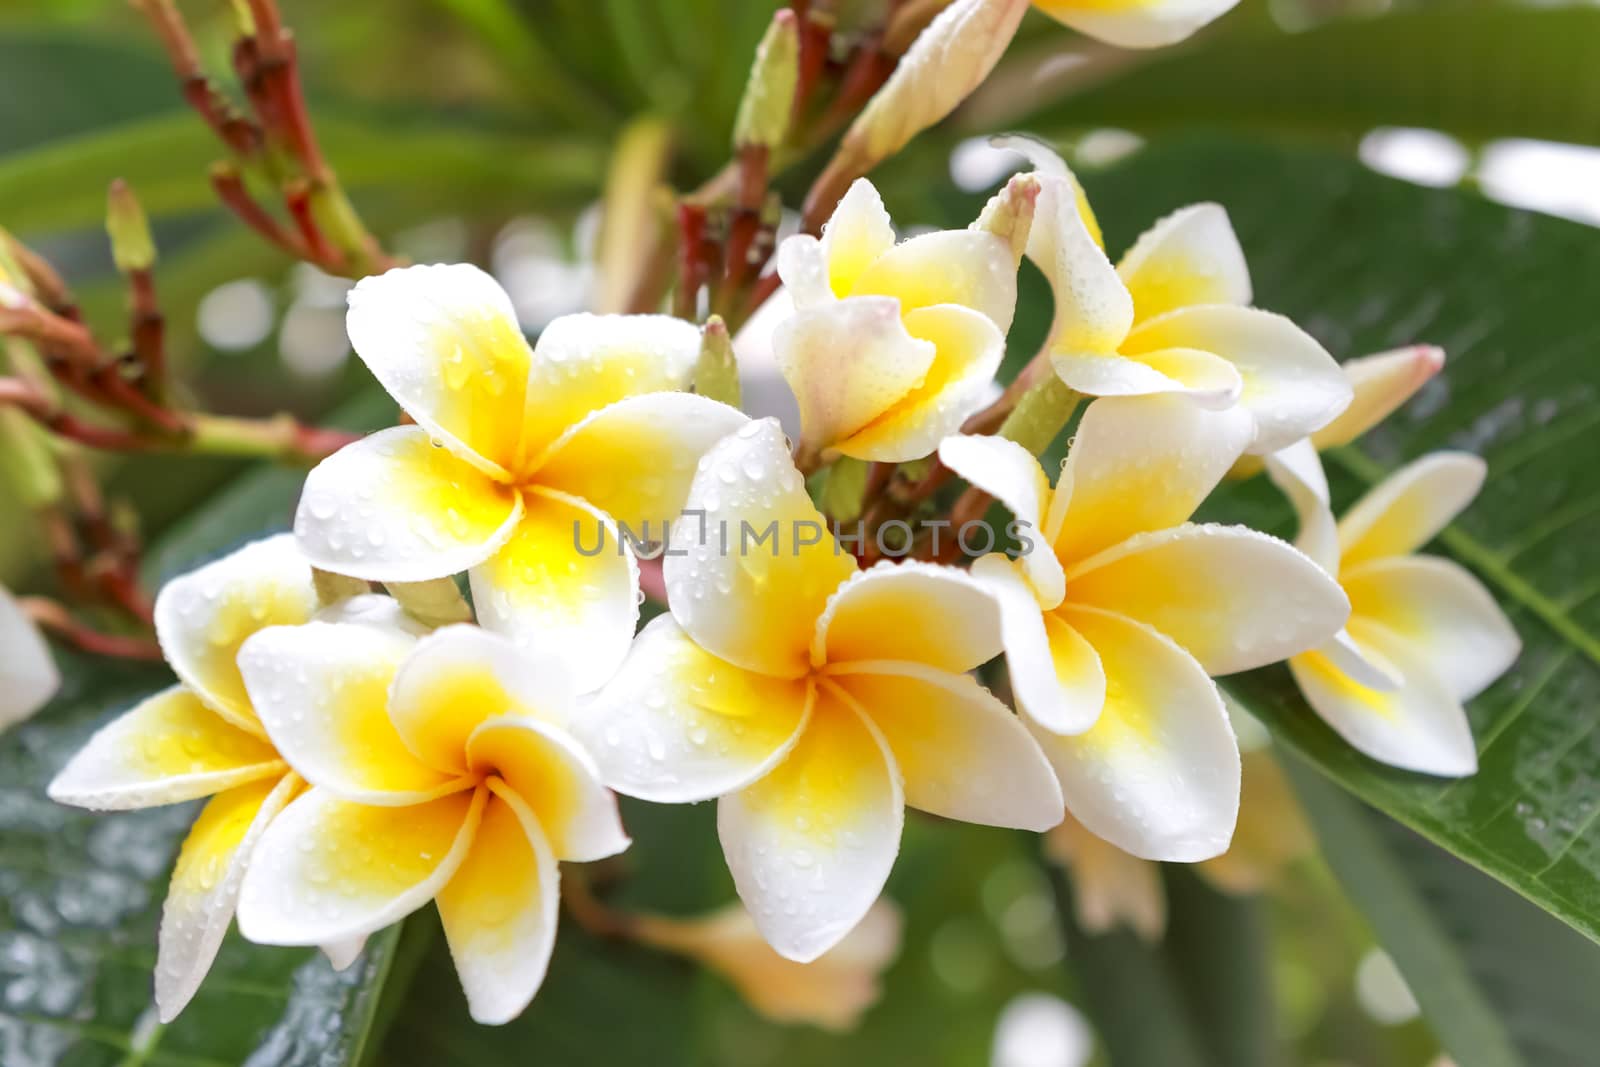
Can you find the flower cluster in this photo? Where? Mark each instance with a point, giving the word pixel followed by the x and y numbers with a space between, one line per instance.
pixel 365 754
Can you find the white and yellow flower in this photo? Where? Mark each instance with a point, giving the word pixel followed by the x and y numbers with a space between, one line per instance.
pixel 816 700
pixel 1423 635
pixel 28 673
pixel 891 346
pixel 440 769
pixel 203 738
pixel 518 455
pixel 1136 23
pixel 1113 625
pixel 1173 316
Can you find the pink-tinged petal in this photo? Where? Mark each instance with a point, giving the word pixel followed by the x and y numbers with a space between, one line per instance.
pixel 1381 383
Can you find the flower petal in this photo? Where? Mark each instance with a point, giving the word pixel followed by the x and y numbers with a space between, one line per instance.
pixel 968 349
pixel 168 748
pixel 329 869
pixel 460 677
pixel 205 885
pixel 323 693
pixel 1297 471
pixel 1055 674
pixel 803 266
pixel 1009 473
pixel 678 725
pixel 1404 511
pixel 752 601
pixel 1141 24
pixel 204 616
pixel 1292 386
pixel 564 585
pixel 1138 464
pixel 858 233
pixel 811 844
pixel 500 910
pixel 970 268
pixel 962 754
pixel 1203 378
pixel 444 341
pixel 1190 257
pixel 1109 887
pixel 1419 726
pixel 634 459
pixel 848 362
pixel 1158 774
pixel 1381 383
pixel 28 673
pixel 551 773
pixel 912 611
pixel 584 362
pixel 1443 612
pixel 1233 598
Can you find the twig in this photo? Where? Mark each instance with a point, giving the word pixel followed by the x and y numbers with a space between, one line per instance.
pixel 52 616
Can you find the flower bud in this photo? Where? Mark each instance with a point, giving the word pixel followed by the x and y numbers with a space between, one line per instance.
pixel 1381 384
pixel 1009 213
pixel 768 102
pixel 131 245
pixel 1110 887
pixel 716 375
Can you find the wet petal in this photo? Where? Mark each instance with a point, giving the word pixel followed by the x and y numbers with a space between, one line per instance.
pixel 1406 510
pixel 168 748
pixel 1009 473
pixel 564 586
pixel 966 267
pixel 1190 257
pixel 917 612
pixel 1381 383
pixel 811 844
pixel 204 616
pixel 1445 614
pixel 1233 598
pixel 678 725
pixel 329 869
pixel 858 233
pixel 1141 24
pixel 1158 774
pixel 803 266
pixel 395 507
pixel 500 911
pixel 1297 471
pixel 743 595
pixel 205 886
pixel 962 754
pixel 444 341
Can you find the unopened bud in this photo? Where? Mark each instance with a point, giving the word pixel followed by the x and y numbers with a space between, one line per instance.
pixel 768 103
pixel 1009 213
pixel 131 245
pixel 1381 383
pixel 716 375
pixel 433 603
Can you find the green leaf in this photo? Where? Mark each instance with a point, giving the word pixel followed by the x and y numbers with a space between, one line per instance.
pixel 1499 981
pixel 1367 263
pixel 1493 72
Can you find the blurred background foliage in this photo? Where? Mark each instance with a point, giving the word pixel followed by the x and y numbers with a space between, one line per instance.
pixel 482 130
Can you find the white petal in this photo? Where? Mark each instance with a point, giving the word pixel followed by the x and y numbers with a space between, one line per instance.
pixel 500 911
pixel 444 341
pixel 803 266
pixel 204 616
pixel 912 611
pixel 1419 726
pixel 1009 473
pixel 328 870
pixel 1143 24
pixel 1292 386
pixel 28 674
pixel 753 602
pixel 678 725
pixel 1297 471
pixel 1406 510
pixel 1233 598
pixel 565 585
pixel 1055 674
pixel 1442 612
pixel 962 754
pixel 1158 775
pixel 1189 257
pixel 970 268
pixel 811 844
pixel 205 886
pixel 168 748
pixel 1201 377
pixel 342 955
pixel 1093 308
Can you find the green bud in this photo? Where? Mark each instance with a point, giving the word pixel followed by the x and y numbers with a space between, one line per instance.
pixel 768 103
pixel 716 375
pixel 131 245
pixel 435 603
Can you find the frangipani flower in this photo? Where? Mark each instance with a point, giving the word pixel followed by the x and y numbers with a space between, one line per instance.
pixel 1173 316
pixel 28 674
pixel 439 770
pixel 833 991
pixel 1111 636
pixel 1136 23
pixel 202 738
pixel 1423 635
pixel 891 346
pixel 816 700
pixel 517 455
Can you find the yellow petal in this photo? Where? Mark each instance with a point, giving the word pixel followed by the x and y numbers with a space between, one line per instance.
pixel 917 612
pixel 1189 257
pixel 858 233
pixel 1381 383
pixel 965 267
pixel 1136 23
pixel 1406 510
pixel 167 749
